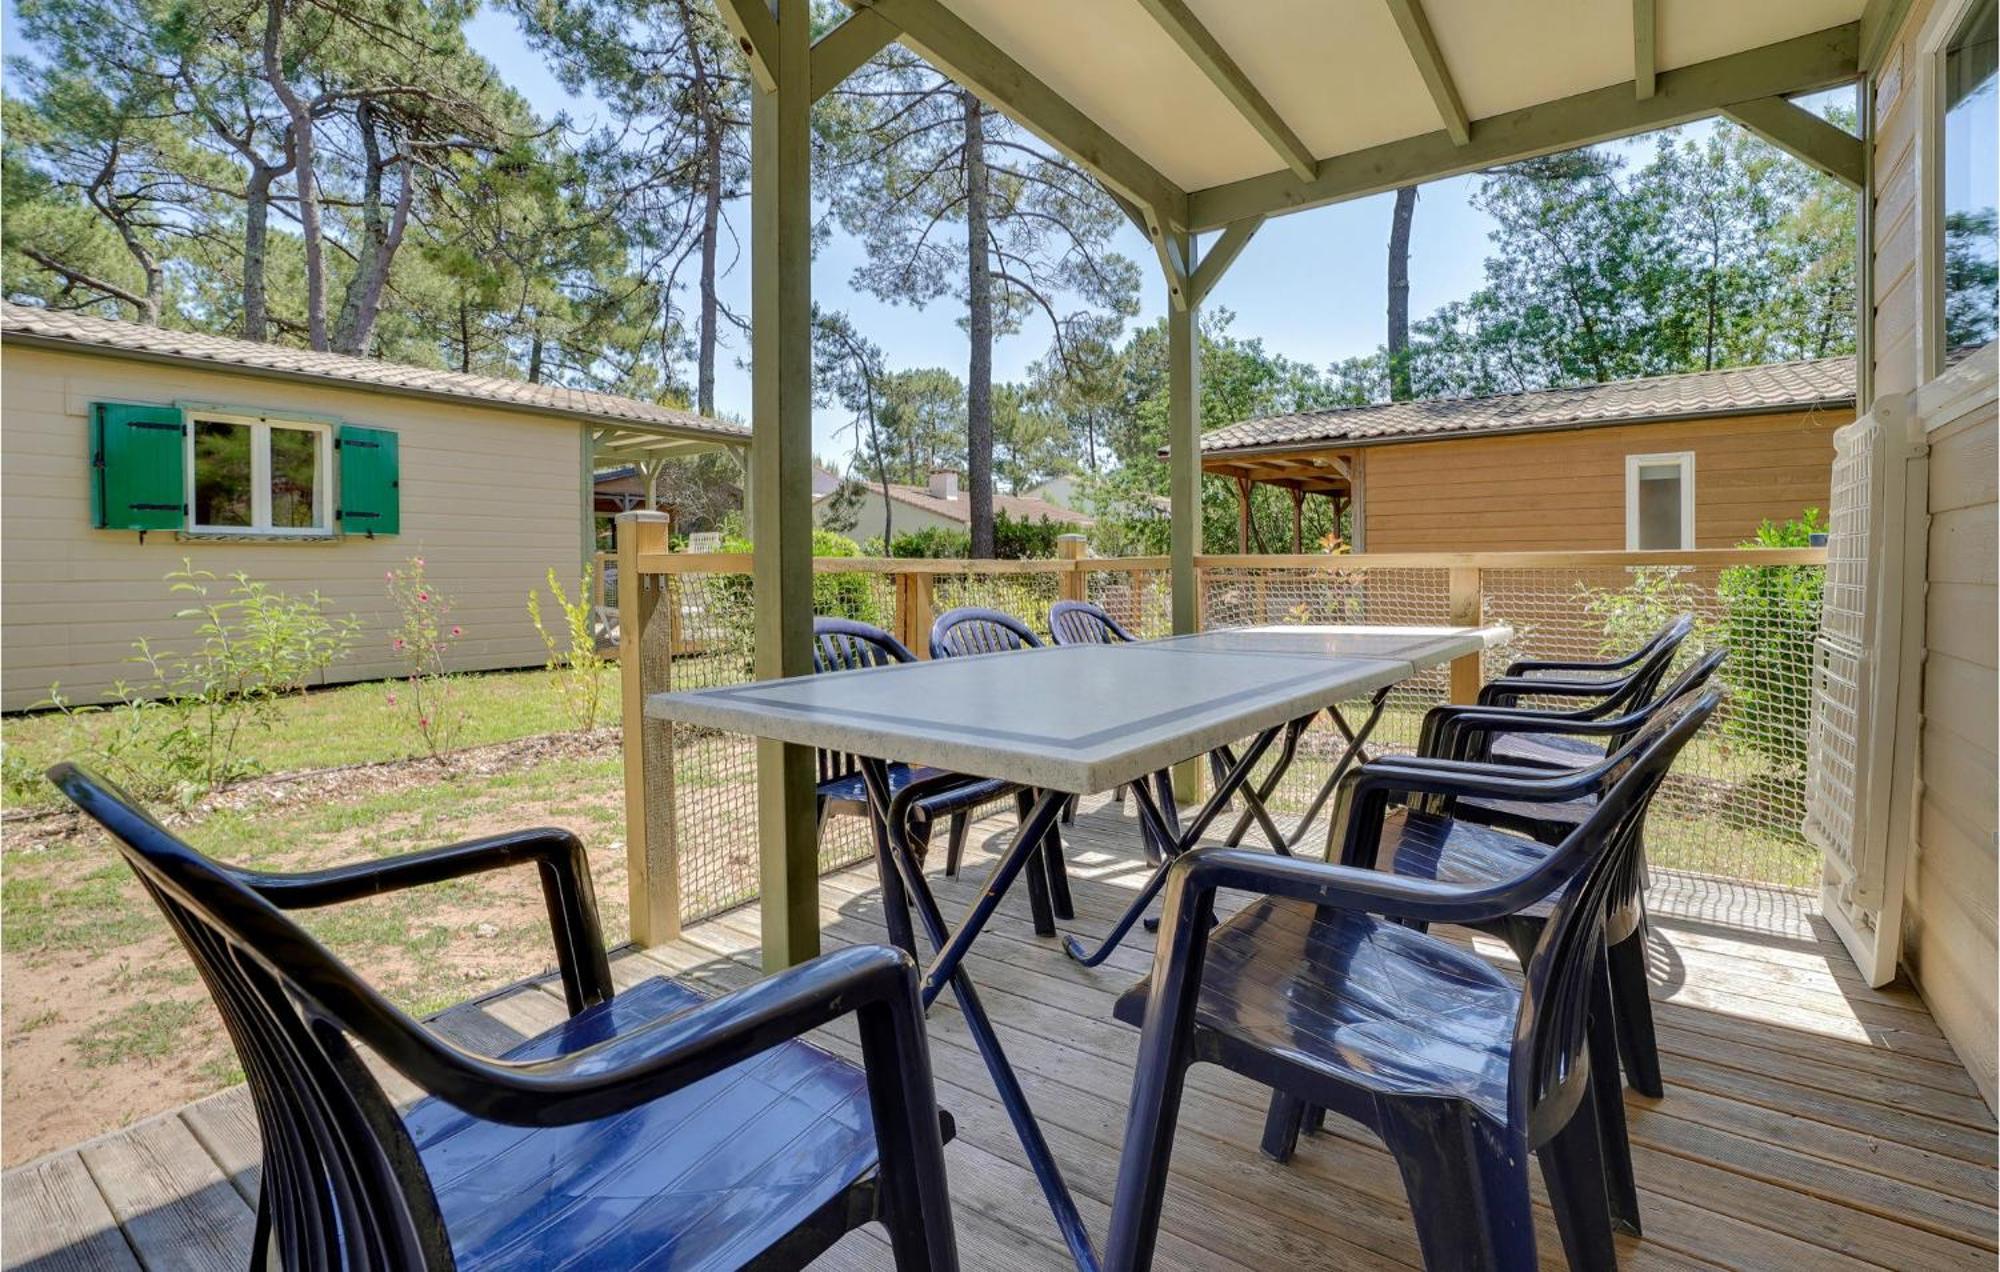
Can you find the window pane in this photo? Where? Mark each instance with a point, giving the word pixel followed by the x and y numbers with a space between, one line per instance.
pixel 294 478
pixel 1971 233
pixel 1660 508
pixel 221 474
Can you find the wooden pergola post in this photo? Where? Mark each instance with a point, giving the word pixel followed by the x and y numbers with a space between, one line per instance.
pixel 1298 519
pixel 776 37
pixel 1243 515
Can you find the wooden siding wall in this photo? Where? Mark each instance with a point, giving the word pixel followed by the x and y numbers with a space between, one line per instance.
pixel 1950 933
pixel 1949 924
pixel 1566 490
pixel 491 500
pixel 1897 344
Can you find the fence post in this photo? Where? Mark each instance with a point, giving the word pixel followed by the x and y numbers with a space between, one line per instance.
pixel 652 865
pixel 1464 602
pixel 913 611
pixel 1071 583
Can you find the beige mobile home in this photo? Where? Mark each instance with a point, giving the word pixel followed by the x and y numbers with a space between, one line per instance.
pixel 129 448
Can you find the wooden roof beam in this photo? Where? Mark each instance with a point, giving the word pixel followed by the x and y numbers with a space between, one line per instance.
pixel 1798 65
pixel 1217 260
pixel 1422 43
pixel 1207 53
pixel 1805 136
pixel 947 42
pixel 841 51
pixel 1645 48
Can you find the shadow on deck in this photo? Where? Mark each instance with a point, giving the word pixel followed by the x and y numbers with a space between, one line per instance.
pixel 1809 1121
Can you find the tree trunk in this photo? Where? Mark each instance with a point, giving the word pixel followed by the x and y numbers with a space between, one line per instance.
pixel 307 178
pixel 379 238
pixel 1399 294
pixel 256 237
pixel 711 223
pixel 979 324
pixel 535 359
pixel 464 336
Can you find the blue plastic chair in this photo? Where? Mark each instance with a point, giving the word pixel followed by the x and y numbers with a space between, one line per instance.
pixel 1431 843
pixel 963 633
pixel 657 1126
pixel 841 644
pixel 1326 989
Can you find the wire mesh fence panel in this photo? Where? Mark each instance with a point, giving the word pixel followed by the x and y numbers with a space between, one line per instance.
pixel 1257 596
pixel 1734 802
pixel 712 789
pixel 1141 601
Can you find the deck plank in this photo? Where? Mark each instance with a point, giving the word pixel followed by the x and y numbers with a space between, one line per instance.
pixel 1811 1121
pixel 54 1219
pixel 175 1205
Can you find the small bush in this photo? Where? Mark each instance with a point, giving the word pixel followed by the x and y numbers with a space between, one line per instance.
pixel 576 666
pixel 834 595
pixel 423 638
pixel 179 735
pixel 1012 540
pixel 1770 616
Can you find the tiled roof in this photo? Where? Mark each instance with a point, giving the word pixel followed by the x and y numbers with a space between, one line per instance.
pixel 1781 386
pixel 1018 507
pixel 47 327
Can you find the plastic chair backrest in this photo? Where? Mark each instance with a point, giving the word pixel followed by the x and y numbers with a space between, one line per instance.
pixel 1081 623
pixel 341 1173
pixel 972 630
pixel 1590 867
pixel 842 644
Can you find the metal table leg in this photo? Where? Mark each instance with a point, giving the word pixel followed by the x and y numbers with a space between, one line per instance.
pixel 903 883
pixel 1356 742
pixel 1167 828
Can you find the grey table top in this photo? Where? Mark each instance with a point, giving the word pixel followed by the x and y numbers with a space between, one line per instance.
pixel 1081 718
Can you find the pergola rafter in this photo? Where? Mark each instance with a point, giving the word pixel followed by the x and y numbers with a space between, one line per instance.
pixel 1422 43
pixel 1186 30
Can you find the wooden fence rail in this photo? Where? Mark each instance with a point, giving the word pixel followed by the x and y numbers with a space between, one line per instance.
pixel 654 632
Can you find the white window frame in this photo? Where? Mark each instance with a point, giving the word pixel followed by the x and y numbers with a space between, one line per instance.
pixel 1927 69
pixel 260 475
pixel 1633 463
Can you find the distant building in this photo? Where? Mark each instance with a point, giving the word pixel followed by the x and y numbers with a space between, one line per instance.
pixel 131 448
pixel 1663 463
pixel 941 504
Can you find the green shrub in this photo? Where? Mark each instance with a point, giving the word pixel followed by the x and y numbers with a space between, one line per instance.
pixel 575 665
pixel 1012 540
pixel 180 735
pixel 834 595
pixel 1770 617
pixel 424 637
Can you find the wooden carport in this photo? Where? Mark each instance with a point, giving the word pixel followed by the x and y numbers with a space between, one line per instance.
pixel 1203 118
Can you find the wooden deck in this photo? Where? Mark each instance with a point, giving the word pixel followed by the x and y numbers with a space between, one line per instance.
pixel 1809 1121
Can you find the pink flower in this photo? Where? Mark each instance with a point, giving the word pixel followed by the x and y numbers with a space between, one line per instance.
pixel 457 632
pixel 419 561
pixel 399 642
pixel 389 575
pixel 392 699
pixel 424 722
pixel 423 596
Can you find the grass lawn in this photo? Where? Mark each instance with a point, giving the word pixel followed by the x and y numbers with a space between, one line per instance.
pixel 347 724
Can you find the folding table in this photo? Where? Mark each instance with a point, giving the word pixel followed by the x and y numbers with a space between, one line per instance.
pixel 1065 720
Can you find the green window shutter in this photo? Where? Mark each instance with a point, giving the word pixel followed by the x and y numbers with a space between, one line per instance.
pixel 370 498
pixel 138 467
